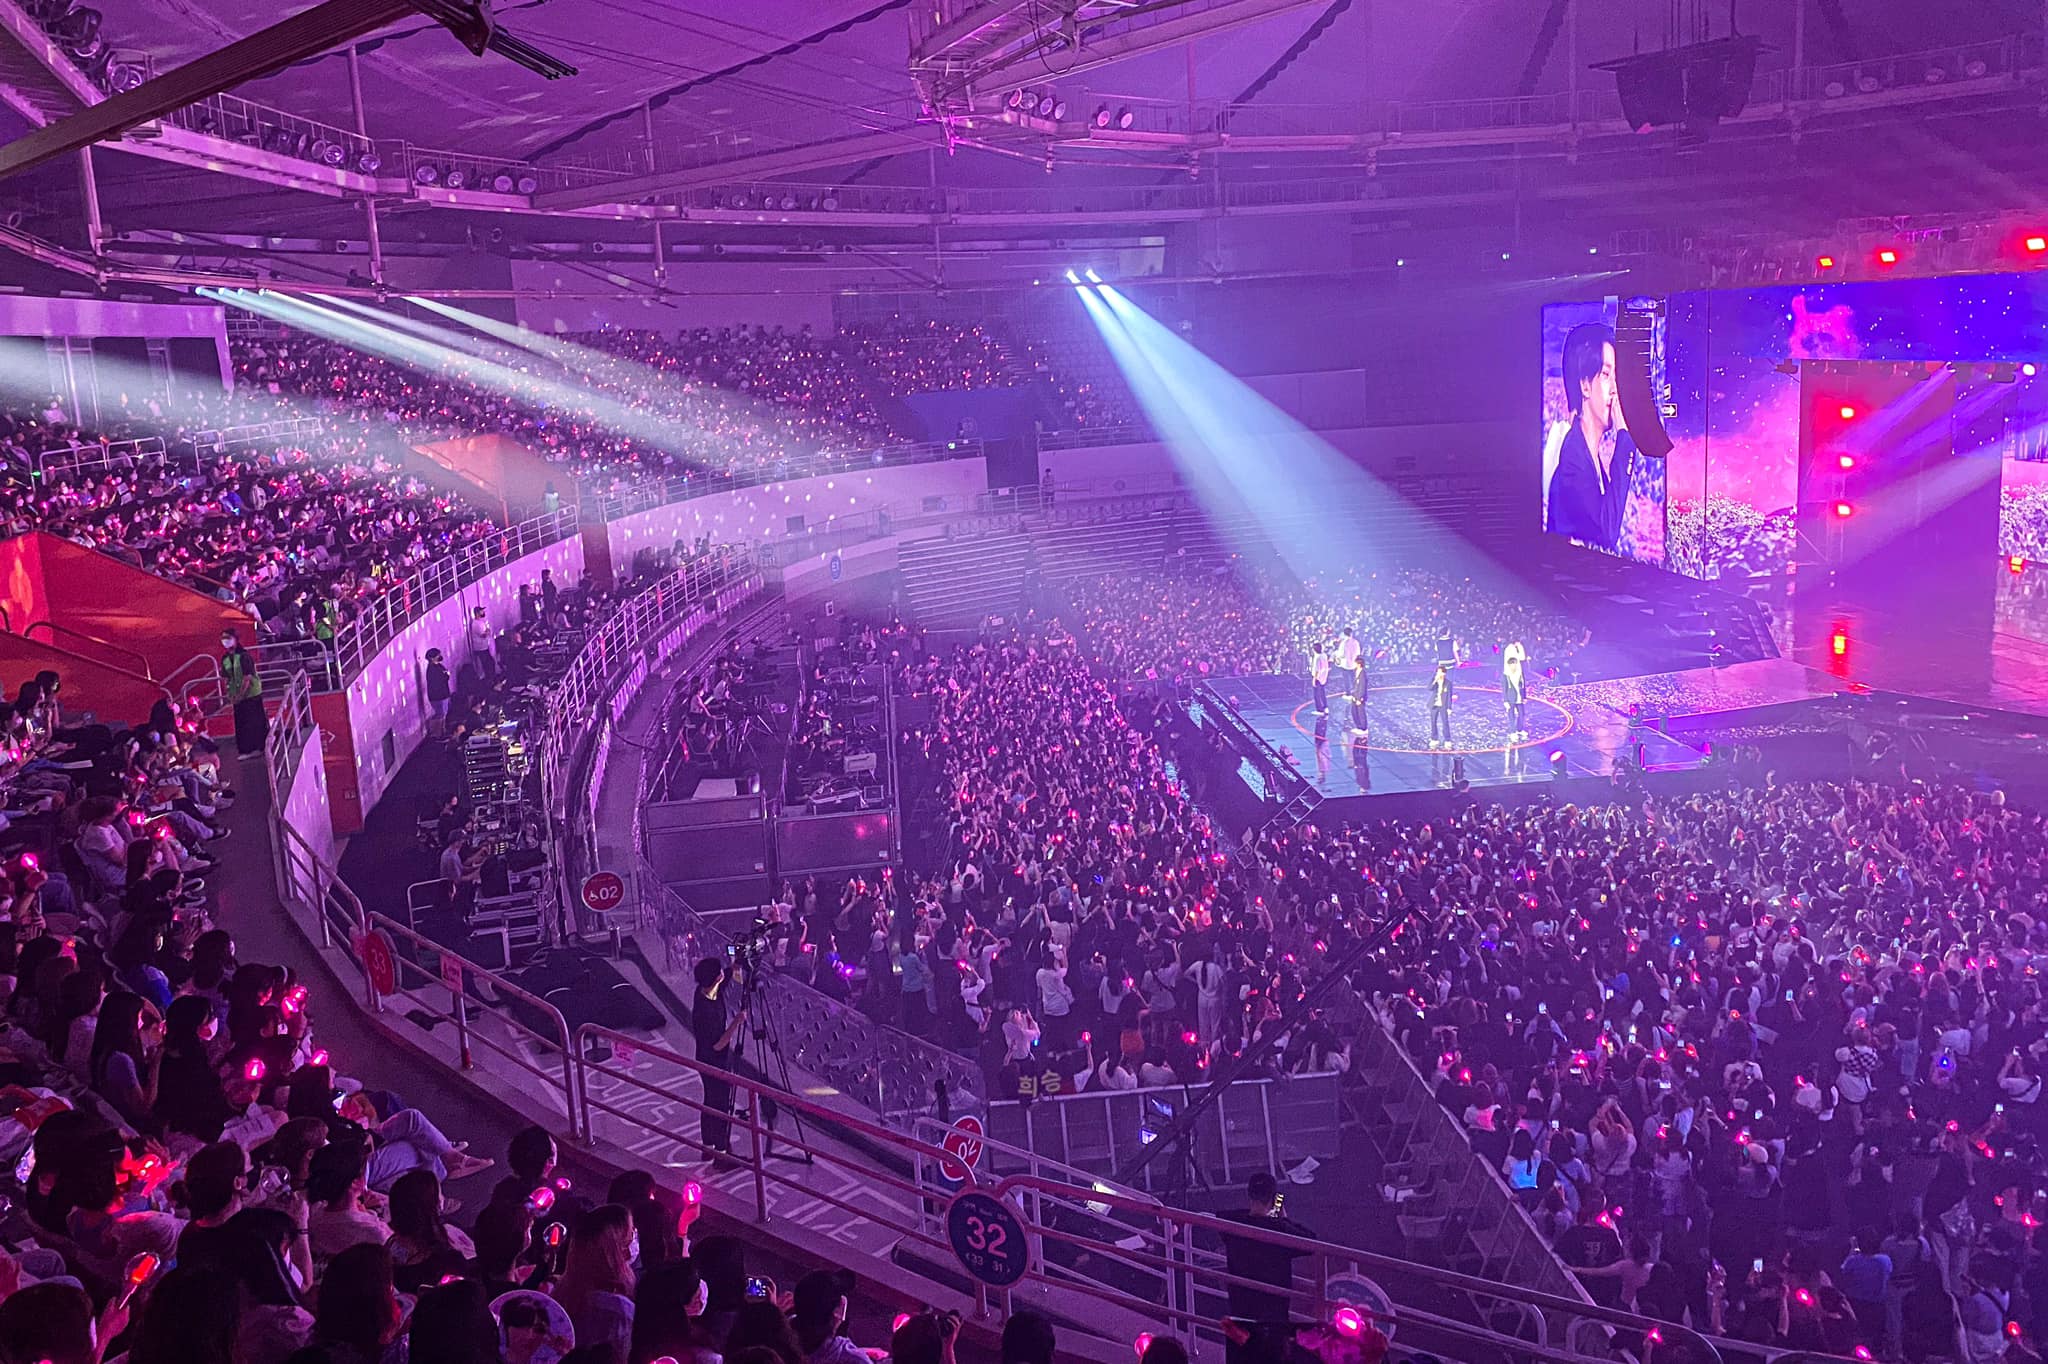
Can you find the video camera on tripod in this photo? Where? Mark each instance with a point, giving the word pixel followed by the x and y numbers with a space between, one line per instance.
pixel 746 960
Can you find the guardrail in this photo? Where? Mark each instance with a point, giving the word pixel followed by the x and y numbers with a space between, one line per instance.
pixel 290 725
pixel 646 496
pixel 1264 1124
pixel 885 1069
pixel 399 605
pixel 87 456
pixel 1154 1263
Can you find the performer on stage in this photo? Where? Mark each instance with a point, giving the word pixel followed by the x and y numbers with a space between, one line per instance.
pixel 1348 652
pixel 1442 692
pixel 1319 676
pixel 1361 680
pixel 1512 692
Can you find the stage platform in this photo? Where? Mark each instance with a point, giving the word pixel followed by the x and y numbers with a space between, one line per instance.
pixel 1589 723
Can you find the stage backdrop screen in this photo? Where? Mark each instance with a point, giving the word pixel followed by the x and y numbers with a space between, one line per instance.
pixel 1733 360
pixel 1598 489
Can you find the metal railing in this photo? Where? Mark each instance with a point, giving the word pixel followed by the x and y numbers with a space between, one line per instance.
pixel 290 726
pixel 1144 1262
pixel 91 456
pixel 883 1068
pixel 1459 1205
pixel 646 496
pixel 406 601
pixel 141 667
pixel 219 443
pixel 1262 1124
pixel 265 127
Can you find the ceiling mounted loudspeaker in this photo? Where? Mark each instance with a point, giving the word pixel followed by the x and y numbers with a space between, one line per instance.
pixel 501 183
pixel 1695 86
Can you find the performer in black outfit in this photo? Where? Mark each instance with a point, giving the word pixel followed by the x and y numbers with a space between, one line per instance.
pixel 1442 692
pixel 1589 489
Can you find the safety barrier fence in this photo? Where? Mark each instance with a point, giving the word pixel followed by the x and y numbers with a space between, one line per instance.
pixel 645 495
pixel 1259 1124
pixel 583 707
pixel 290 725
pixel 1106 1257
pixel 406 601
pixel 888 1071
pixel 1455 1206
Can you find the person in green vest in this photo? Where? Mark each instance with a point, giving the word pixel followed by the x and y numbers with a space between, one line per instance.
pixel 242 686
pixel 326 627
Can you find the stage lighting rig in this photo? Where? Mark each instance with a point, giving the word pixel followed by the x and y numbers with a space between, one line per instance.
pixel 327 25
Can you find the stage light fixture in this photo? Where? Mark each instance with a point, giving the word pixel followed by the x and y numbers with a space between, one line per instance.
pixel 1045 105
pixel 125 76
pixel 1125 118
pixel 1887 256
pixel 501 183
pixel 369 163
pixel 2037 244
pixel 329 153
pixel 1018 98
pixel 1102 116
pixel 527 184
pixel 788 202
pixel 1868 84
pixel 1843 511
pixel 1557 764
pixel 1093 278
pixel 2016 563
pixel 1975 68
pixel 2028 369
pixel 1847 413
pixel 1839 642
pixel 1845 461
pixel 426 173
pixel 1349 1322
pixel 457 178
pixel 1073 278
pixel 1824 263
pixel 1059 111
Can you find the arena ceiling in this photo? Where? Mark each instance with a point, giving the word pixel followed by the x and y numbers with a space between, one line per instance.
pixel 823 93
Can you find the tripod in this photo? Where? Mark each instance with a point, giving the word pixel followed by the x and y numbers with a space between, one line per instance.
pixel 760 1006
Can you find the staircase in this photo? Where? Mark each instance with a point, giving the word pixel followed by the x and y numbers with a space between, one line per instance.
pixel 952 583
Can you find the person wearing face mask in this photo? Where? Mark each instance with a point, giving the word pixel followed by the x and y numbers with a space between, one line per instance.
pixel 668 1317
pixel 189 1097
pixel 596 1287
pixel 818 1311
pixel 243 687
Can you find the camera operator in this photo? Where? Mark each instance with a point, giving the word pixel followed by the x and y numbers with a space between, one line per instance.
pixel 719 1030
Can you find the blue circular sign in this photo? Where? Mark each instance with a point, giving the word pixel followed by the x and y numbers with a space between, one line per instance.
pixel 837 567
pixel 988 1239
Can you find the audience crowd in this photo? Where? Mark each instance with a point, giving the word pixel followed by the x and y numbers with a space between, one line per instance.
pixel 1765 1061
pixel 1185 622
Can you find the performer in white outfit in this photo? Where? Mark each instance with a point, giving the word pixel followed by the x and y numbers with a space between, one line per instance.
pixel 1512 689
pixel 1319 676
